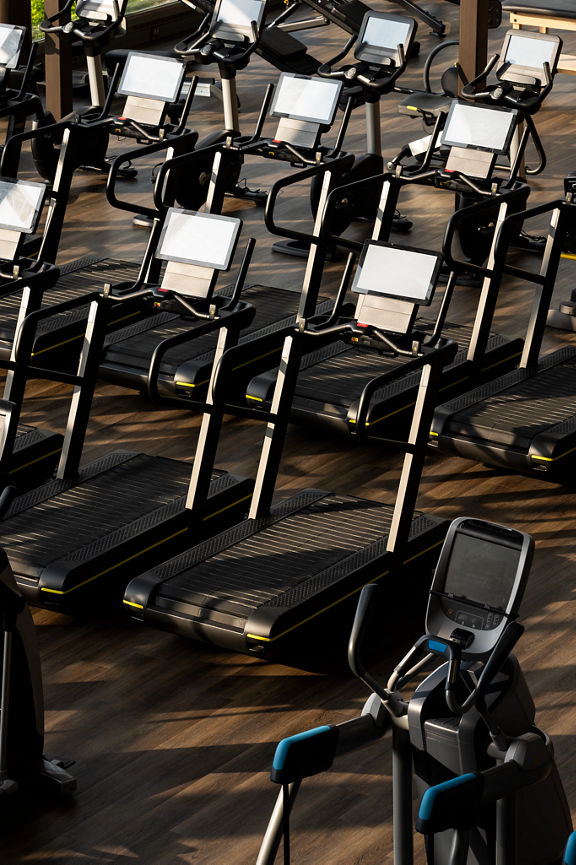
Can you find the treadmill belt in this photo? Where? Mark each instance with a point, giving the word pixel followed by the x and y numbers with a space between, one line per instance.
pixel 77 278
pixel 283 559
pixel 517 415
pixel 89 509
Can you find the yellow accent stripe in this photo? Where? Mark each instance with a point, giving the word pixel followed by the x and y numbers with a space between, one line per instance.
pixel 37 460
pixel 339 601
pixel 254 398
pixel 553 459
pixel 234 368
pixel 132 604
pixel 569 255
pixel 140 553
pixel 412 107
pixel 80 335
pixel 432 433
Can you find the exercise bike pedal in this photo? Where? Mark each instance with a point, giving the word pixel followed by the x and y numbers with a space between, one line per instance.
pixel 401 223
pixel 8 787
pixel 529 243
pixel 244 193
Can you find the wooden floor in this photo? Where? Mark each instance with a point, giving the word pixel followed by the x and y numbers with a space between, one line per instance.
pixel 173 741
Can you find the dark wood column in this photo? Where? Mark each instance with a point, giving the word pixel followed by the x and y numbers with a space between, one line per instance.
pixel 58 69
pixel 473 36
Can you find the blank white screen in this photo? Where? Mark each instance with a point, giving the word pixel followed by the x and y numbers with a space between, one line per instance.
pixel 97 8
pixel 10 44
pixel 307 98
pixel 382 33
pixel 530 52
pixel 19 204
pixel 151 77
pixel 199 238
pixel 398 273
pixel 473 126
pixel 240 12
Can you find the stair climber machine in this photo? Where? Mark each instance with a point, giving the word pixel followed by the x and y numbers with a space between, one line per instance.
pixel 17 103
pixel 66 564
pixel 487 787
pixel 335 380
pixel 523 76
pixel 276 583
pixel 524 420
pixel 153 113
pixel 23 765
pixel 381 50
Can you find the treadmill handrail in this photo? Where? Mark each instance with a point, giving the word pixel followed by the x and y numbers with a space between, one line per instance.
pixel 24 338
pixel 132 156
pixel 438 357
pixel 339 163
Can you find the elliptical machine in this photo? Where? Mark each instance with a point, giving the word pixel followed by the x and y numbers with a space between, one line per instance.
pixel 473 714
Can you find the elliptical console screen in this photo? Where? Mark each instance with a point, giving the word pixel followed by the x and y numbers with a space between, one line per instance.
pixel 381 34
pixel 302 98
pixel 151 77
pixel 240 13
pixel 20 205
pixel 11 39
pixel 396 271
pixel 204 239
pixel 479 127
pixel 481 571
pixel 532 53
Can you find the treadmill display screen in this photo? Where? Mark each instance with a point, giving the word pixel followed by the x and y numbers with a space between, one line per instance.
pixel 399 272
pixel 240 13
pixel 531 53
pixel 480 127
pixel 302 98
pixel 481 571
pixel 11 39
pixel 151 77
pixel 385 33
pixel 20 205
pixel 205 239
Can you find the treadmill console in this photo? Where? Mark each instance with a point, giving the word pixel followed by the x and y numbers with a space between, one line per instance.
pixel 11 41
pixel 524 54
pixel 477 134
pixel 380 36
pixel 392 282
pixel 305 105
pixel 196 246
pixel 479 583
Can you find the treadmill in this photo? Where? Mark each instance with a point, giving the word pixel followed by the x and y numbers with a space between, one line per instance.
pixel 59 337
pixel 526 420
pixel 305 107
pixel 33 453
pixel 273 584
pixel 333 378
pixel 75 541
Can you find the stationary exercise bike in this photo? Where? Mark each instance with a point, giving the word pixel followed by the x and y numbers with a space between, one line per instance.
pixel 381 50
pixel 473 714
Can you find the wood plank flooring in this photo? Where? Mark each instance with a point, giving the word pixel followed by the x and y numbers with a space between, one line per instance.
pixel 173 741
